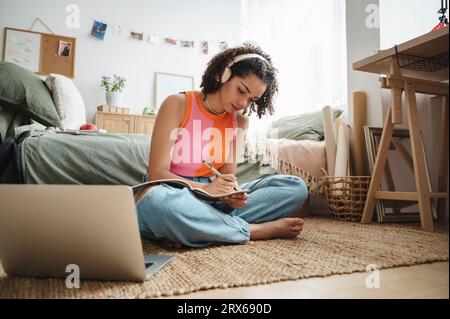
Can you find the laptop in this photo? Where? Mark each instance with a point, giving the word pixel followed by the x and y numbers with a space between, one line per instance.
pixel 46 228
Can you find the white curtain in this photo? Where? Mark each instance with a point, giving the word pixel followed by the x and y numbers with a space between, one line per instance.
pixel 306 40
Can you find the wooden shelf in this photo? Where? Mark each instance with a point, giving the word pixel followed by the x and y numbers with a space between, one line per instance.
pixel 125 123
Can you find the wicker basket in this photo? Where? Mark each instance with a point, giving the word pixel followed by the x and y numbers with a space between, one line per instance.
pixel 346 196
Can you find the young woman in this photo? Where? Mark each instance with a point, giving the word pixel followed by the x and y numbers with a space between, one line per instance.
pixel 210 125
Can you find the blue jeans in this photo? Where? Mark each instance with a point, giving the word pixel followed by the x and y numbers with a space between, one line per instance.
pixel 177 215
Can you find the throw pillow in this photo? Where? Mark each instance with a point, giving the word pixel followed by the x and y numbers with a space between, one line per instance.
pixel 24 91
pixel 307 126
pixel 68 101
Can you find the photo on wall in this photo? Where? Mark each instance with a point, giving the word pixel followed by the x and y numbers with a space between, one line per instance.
pixel 223 45
pixel 187 44
pixel 99 30
pixel 171 41
pixel 204 47
pixel 153 39
pixel 139 36
pixel 64 48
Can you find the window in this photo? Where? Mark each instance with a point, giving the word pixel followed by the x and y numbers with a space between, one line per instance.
pixel 307 43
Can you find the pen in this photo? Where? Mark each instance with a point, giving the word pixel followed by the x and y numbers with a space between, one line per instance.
pixel 214 170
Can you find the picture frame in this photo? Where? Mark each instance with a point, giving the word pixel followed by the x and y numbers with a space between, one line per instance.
pixel 399 160
pixel 23 48
pixel 64 48
pixel 169 83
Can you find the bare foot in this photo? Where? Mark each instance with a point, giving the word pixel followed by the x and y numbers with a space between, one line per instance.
pixel 281 228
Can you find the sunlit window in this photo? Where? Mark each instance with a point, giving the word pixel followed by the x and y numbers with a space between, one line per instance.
pixel 306 40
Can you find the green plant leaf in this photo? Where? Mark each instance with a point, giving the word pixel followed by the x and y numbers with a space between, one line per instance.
pixel 112 85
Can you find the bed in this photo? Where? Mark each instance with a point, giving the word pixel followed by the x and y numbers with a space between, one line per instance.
pixel 55 158
pixel 46 157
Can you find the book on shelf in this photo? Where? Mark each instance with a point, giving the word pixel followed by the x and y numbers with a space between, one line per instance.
pixel 200 193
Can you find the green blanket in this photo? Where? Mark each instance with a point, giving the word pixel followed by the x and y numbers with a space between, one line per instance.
pixel 104 159
pixel 78 159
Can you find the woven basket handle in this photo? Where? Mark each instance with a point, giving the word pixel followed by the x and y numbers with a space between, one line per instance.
pixel 324 171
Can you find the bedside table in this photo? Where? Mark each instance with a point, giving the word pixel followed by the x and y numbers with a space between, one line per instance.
pixel 125 123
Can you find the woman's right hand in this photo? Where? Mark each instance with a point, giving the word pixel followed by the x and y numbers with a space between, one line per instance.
pixel 221 184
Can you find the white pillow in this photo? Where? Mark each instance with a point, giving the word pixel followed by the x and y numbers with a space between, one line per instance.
pixel 68 101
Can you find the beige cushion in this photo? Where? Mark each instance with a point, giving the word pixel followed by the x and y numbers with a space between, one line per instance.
pixel 68 101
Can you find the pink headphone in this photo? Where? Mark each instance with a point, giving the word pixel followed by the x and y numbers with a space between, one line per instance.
pixel 227 72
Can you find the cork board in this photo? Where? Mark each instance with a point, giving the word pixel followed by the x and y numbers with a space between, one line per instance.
pixel 42 53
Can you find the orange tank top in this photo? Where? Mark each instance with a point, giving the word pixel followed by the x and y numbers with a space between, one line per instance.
pixel 202 136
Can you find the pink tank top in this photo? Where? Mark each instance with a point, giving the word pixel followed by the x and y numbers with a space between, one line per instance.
pixel 202 136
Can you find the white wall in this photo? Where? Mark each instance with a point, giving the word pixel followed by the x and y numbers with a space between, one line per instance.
pixel 402 20
pixel 137 61
pixel 362 41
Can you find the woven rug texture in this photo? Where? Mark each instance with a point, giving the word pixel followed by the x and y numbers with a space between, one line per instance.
pixel 325 247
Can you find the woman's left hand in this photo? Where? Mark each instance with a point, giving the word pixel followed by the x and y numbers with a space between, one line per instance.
pixel 235 201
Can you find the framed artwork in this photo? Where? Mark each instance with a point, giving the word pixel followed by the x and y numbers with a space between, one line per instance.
pixel 22 48
pixel 168 83
pixel 399 160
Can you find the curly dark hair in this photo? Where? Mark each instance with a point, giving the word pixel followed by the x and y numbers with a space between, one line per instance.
pixel 265 71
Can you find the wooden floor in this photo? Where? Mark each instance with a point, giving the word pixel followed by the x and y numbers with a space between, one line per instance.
pixel 420 281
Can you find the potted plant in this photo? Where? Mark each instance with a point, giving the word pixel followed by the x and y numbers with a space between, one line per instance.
pixel 149 111
pixel 113 89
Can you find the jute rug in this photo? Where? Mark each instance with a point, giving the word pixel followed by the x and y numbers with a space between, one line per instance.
pixel 326 247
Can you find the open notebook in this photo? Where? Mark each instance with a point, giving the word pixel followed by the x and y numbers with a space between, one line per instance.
pixel 200 193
